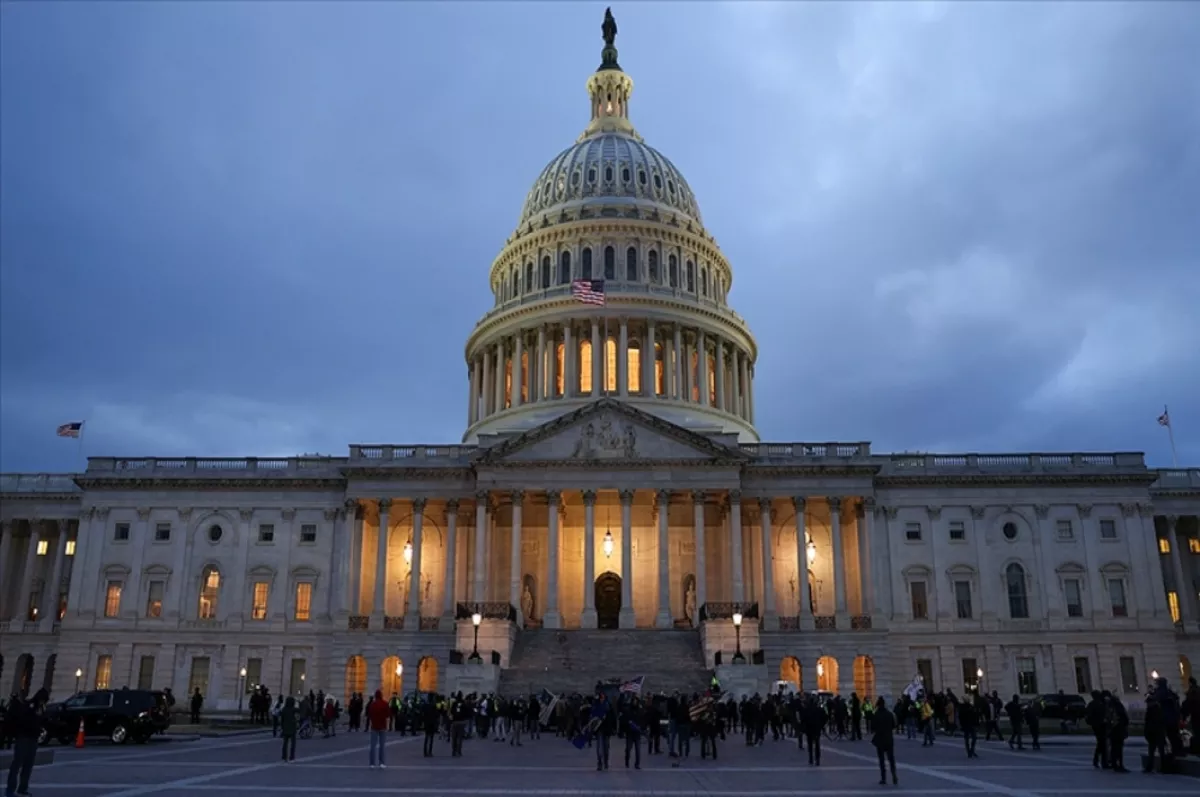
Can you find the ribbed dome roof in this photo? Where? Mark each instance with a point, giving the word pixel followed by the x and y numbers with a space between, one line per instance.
pixel 610 168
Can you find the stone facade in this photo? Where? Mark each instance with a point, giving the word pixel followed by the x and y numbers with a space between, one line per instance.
pixel 628 490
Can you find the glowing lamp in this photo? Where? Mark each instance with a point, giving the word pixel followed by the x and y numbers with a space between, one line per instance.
pixel 607 545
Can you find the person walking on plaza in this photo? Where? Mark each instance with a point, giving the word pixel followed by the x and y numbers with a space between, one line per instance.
pixel 1096 716
pixel 883 728
pixel 1015 715
pixel 378 715
pixel 604 711
pixel 968 720
pixel 24 721
pixel 288 726
pixel 1033 715
pixel 1118 730
pixel 197 702
pixel 432 720
pixel 813 719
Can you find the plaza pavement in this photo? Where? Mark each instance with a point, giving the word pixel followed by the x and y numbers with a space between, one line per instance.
pixel 250 767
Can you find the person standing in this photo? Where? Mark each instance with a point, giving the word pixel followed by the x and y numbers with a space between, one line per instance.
pixel 631 728
pixel 378 715
pixel 197 702
pixel 883 728
pixel 431 719
pixel 288 726
pixel 1096 717
pixel 25 721
pixel 855 718
pixel 1118 730
pixel 813 720
pixel 1015 715
pixel 968 720
pixel 607 726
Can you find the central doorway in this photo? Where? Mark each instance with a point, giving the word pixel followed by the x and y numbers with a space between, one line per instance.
pixel 608 600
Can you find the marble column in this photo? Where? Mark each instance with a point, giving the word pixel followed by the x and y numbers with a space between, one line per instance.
pixel 721 376
pixel 738 577
pixel 866 562
pixel 736 400
pixel 702 368
pixel 681 391
pixel 514 567
pixel 598 358
pixel 1183 590
pixel 551 361
pixel 350 585
pixel 588 618
pixel 472 386
pixel 6 538
pixel 623 358
pixel 537 382
pixel 551 618
pixel 479 589
pixel 744 393
pixel 770 616
pixel 663 618
pixel 54 586
pixel 570 355
pixel 649 362
pixel 518 375
pixel 20 611
pixel 379 606
pixel 839 560
pixel 499 380
pixel 415 585
pixel 803 609
pixel 486 390
pixel 701 567
pixel 627 618
pixel 448 603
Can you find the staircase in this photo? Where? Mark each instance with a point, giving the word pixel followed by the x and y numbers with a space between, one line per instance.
pixel 573 661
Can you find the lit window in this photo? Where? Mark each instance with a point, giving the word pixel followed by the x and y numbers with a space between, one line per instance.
pixel 559 366
pixel 112 599
pixel 525 375
pixel 585 366
pixel 1194 544
pixel 103 671
pixel 1164 545
pixel 43 547
pixel 303 601
pixel 634 381
pixel 712 381
pixel 258 609
pixel 507 381
pixel 659 386
pixel 1173 605
pixel 210 588
pixel 694 376
pixel 70 549
pixel 610 377
pixel 155 600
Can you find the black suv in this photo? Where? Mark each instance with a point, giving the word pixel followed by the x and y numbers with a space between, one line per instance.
pixel 117 714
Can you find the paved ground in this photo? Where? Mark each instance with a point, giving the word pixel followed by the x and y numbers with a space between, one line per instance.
pixel 249 767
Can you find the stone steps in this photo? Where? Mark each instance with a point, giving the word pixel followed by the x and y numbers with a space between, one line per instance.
pixel 573 661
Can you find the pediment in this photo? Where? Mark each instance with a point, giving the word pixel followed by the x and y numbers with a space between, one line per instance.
pixel 613 433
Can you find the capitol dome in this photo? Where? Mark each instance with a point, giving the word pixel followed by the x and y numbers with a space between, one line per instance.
pixel 610 287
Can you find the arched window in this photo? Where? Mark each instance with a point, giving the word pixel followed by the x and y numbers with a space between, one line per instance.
pixel 587 264
pixel 659 386
pixel 564 269
pixel 545 272
pixel 653 258
pixel 610 365
pixel 210 588
pixel 560 365
pixel 610 263
pixel 528 277
pixel 712 381
pixel 691 277
pixel 633 381
pixel 673 271
pixel 585 366
pixel 631 274
pixel 704 280
pixel 1018 601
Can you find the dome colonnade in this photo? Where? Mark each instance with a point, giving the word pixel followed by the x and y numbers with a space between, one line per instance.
pixel 613 212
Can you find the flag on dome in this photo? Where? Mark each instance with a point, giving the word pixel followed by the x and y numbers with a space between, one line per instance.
pixel 588 291
pixel 73 429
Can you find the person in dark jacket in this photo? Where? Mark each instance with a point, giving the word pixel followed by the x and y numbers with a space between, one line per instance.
pixel 431 721
pixel 1095 715
pixel 1015 716
pixel 25 722
pixel 968 720
pixel 1156 733
pixel 813 719
pixel 1117 734
pixel 607 715
pixel 883 728
pixel 631 723
pixel 289 725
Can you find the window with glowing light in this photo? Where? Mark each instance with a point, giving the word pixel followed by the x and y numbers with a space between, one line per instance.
pixel 585 366
pixel 659 386
pixel 524 376
pixel 712 381
pixel 303 601
pixel 694 376
pixel 634 377
pixel 559 370
pixel 610 362
pixel 507 382
pixel 258 605
pixel 210 588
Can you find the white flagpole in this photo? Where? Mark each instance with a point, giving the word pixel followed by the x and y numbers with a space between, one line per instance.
pixel 1170 436
pixel 82 426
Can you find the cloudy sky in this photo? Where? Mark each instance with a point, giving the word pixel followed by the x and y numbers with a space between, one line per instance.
pixel 265 228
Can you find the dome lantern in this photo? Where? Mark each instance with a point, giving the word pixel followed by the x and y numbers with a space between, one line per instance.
pixel 609 89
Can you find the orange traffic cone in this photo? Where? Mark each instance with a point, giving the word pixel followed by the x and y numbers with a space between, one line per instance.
pixel 79 735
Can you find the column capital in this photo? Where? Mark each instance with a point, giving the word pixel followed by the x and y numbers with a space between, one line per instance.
pixel 626 497
pixel 288 514
pixel 735 497
pixel 554 497
pixel 1146 510
pixel 246 514
pixel 517 497
pixel 699 496
pixel 1042 510
pixel 589 497
pixel 385 504
pixel 978 512
pixel 1128 510
pixel 331 515
pixel 764 506
pixel 662 497
pixel 143 512
pixel 482 495
pixel 799 503
pixel 452 507
pixel 835 503
pixel 419 505
pixel 866 506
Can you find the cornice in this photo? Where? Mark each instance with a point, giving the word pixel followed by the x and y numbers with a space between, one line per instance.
pixel 617 464
pixel 1184 493
pixel 810 470
pixel 190 483
pixel 40 497
pixel 399 474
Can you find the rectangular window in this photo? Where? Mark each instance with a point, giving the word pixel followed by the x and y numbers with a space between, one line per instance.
pixel 912 532
pixel 1116 597
pixel 925 670
pixel 121 532
pixel 146 673
pixel 1173 605
pixel 1129 677
pixel 266 532
pixel 585 367
pixel 970 675
pixel 253 675
pixel 162 532
pixel 1074 592
pixel 633 377
pixel 70 549
pixel 198 678
pixel 1193 544
pixel 43 547
pixel 958 530
pixel 962 599
pixel 258 609
pixel 1083 675
pixel 297 677
pixel 308 533
pixel 303 601
pixel 112 599
pixel 920 606
pixel 154 601
pixel 1065 530
pixel 1026 675
pixel 1108 529
pixel 103 671
pixel 1164 545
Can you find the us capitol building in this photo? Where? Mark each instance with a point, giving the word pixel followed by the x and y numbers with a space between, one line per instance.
pixel 611 478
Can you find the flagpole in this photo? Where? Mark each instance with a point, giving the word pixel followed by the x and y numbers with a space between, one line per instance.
pixel 82 427
pixel 1170 436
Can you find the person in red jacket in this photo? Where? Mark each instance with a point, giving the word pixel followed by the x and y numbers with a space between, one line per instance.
pixel 377 722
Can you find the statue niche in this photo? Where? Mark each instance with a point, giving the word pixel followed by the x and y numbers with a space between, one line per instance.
pixel 690 608
pixel 528 590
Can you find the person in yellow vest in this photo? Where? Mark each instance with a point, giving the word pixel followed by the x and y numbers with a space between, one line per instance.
pixel 927 723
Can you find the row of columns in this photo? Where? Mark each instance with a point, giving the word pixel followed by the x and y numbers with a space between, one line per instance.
pixel 17 611
pixel 497 373
pixel 1185 589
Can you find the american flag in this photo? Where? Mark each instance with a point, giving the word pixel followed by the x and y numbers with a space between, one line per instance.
pixel 633 687
pixel 73 429
pixel 1164 419
pixel 588 291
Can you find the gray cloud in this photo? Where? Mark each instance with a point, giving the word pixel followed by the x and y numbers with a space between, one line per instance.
pixel 266 228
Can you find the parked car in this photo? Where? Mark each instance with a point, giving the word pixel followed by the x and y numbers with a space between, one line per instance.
pixel 116 714
pixel 1066 709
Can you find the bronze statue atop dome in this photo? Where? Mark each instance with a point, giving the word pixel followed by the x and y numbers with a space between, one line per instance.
pixel 609 28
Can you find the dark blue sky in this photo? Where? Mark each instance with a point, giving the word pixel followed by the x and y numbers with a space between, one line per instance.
pixel 265 228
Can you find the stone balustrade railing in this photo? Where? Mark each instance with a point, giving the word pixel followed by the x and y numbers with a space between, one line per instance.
pixel 37 483
pixel 1177 479
pixel 901 464
pixel 360 454
pixel 211 466
pixel 775 451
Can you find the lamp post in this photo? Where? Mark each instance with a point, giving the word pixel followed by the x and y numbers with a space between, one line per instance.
pixel 476 619
pixel 738 658
pixel 78 676
pixel 241 688
pixel 979 680
pixel 399 675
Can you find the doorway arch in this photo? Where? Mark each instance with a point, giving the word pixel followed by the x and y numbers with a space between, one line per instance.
pixel 827 674
pixel 356 678
pixel 391 677
pixel 789 670
pixel 608 600
pixel 427 675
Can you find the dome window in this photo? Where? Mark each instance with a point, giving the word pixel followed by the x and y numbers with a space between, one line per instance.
pixel 673 271
pixel 545 272
pixel 608 174
pixel 587 264
pixel 652 262
pixel 562 184
pixel 642 176
pixel 591 175
pixel 691 277
pixel 575 179
pixel 657 183
pixel 671 187
pixel 610 263
pixel 704 280
pixel 564 268
pixel 528 277
pixel 631 274
pixel 625 176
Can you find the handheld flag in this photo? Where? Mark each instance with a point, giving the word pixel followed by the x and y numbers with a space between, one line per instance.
pixel 633 687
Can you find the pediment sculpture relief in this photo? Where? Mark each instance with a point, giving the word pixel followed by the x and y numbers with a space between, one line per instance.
pixel 603 440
